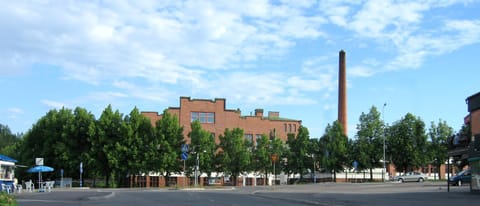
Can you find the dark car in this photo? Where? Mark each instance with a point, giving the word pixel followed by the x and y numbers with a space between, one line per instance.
pixel 462 177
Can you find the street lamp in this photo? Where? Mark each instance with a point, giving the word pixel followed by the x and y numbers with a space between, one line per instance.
pixel 197 168
pixel 313 171
pixel 383 119
pixel 274 160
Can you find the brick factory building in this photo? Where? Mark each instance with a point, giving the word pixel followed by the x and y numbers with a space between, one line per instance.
pixel 215 118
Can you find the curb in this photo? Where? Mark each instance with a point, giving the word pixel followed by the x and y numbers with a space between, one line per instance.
pixel 306 202
pixel 101 197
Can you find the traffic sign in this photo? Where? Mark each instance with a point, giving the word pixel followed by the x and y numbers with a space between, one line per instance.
pixel 39 161
pixel 184 156
pixel 355 165
pixel 184 148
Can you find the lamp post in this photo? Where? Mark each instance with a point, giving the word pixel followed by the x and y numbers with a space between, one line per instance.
pixel 383 119
pixel 274 160
pixel 313 171
pixel 197 167
pixel 196 170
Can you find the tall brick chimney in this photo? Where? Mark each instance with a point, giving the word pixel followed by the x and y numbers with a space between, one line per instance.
pixel 342 92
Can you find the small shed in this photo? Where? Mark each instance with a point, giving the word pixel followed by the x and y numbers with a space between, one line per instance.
pixel 7 169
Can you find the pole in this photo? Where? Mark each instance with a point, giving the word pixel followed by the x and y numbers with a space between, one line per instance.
pixel 81 171
pixel 196 171
pixel 274 176
pixel 184 175
pixel 383 119
pixel 448 175
pixel 314 175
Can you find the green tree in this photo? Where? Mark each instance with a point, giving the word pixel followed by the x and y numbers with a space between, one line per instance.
pixel 315 154
pixel 299 157
pixel 261 160
pixel 48 139
pixel 75 137
pixel 110 133
pixel 369 141
pixel 170 139
pixel 234 153
pixel 407 143
pixel 203 142
pixel 7 141
pixel 437 146
pixel 136 148
pixel 333 144
pixel 277 147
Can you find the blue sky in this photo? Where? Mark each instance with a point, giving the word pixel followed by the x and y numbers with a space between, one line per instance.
pixel 417 56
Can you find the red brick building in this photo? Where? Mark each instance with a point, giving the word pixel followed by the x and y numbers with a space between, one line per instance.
pixel 215 118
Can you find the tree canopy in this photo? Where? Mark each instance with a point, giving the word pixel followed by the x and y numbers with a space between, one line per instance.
pixel 407 143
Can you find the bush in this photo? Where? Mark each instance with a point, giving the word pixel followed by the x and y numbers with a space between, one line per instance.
pixel 7 200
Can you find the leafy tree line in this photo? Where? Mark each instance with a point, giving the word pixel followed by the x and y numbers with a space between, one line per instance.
pixel 115 146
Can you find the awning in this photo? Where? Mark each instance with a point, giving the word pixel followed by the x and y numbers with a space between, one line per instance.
pixel 7 159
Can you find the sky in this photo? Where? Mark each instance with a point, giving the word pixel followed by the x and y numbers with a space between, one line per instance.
pixel 419 57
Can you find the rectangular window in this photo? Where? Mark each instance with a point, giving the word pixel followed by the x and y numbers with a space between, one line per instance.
pixel 203 117
pixel 257 137
pixel 249 137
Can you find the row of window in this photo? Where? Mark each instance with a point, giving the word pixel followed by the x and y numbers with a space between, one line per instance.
pixel 203 117
pixel 249 137
pixel 288 127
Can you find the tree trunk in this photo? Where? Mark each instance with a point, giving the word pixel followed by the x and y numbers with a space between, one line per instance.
pixel 371 175
pixel 439 171
pixel 265 177
pixel 107 179
pixel 167 177
pixel 234 180
pixel 334 176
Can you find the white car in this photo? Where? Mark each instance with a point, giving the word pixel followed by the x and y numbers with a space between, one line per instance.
pixel 411 177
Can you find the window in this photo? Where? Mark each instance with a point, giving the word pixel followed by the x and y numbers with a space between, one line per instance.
pixel 203 117
pixel 257 137
pixel 285 126
pixel 249 137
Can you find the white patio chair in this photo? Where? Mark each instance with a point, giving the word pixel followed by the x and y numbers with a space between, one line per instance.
pixel 49 185
pixel 18 188
pixel 29 186
pixel 6 188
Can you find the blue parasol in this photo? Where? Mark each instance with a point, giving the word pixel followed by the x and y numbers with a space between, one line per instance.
pixel 40 168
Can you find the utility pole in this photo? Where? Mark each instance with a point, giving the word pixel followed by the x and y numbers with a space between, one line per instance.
pixel 384 136
pixel 196 170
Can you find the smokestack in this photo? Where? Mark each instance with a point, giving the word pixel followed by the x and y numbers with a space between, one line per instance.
pixel 342 92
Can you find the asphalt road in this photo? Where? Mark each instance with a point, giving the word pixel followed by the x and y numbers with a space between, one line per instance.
pixel 318 194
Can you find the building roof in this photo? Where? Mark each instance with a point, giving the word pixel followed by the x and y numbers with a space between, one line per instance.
pixel 7 159
pixel 473 102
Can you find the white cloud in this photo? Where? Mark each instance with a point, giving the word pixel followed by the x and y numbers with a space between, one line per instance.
pixel 150 93
pixel 360 71
pixel 14 112
pixel 411 31
pixel 53 104
pixel 193 46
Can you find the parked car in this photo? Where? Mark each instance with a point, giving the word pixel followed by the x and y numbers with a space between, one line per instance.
pixel 462 177
pixel 411 177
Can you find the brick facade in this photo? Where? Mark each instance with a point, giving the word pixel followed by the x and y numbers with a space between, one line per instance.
pixel 254 125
